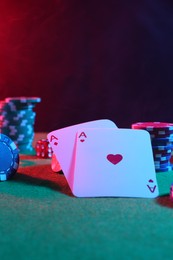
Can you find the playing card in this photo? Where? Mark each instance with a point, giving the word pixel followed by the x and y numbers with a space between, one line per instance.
pixel 114 162
pixel 62 142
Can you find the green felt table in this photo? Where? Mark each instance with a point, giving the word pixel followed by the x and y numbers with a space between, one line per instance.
pixel 41 219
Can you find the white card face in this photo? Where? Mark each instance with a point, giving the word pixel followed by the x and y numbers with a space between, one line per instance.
pixel 63 142
pixel 114 162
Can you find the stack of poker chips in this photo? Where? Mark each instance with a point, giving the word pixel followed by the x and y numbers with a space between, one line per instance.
pixel 43 149
pixel 17 120
pixel 161 135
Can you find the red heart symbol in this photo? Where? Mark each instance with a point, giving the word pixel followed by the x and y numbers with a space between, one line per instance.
pixel 114 158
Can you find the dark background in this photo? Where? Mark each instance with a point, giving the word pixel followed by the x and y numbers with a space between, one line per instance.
pixel 89 59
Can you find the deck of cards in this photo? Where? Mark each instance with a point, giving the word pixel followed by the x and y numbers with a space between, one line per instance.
pixel 99 159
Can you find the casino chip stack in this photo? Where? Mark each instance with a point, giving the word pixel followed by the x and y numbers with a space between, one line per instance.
pixel 9 158
pixel 161 135
pixel 17 120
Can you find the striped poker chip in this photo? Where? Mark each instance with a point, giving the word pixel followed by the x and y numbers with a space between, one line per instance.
pixel 161 134
pixel 13 130
pixel 164 140
pixel 167 137
pixel 166 168
pixel 150 126
pixel 162 153
pixel 18 103
pixel 15 104
pixel 19 119
pixel 161 159
pixel 162 164
pixel 162 147
pixel 10 107
pixel 161 156
pixel 17 107
pixel 158 142
pixel 168 149
pixel 6 123
pixel 160 131
pixel 23 100
pixel 9 154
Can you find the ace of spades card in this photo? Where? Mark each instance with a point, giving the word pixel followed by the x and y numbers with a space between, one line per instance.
pixel 114 162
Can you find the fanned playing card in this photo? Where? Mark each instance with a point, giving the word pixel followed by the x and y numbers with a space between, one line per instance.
pixel 114 162
pixel 63 142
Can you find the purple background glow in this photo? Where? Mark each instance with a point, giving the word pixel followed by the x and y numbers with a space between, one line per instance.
pixel 89 60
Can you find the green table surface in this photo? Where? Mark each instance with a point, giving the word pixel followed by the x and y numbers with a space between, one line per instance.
pixel 41 219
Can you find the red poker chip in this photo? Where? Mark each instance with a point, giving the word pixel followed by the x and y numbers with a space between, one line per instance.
pixel 152 125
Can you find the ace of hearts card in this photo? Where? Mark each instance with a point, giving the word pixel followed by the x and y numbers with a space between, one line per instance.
pixel 114 162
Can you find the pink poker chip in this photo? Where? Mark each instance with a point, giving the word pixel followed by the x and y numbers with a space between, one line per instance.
pixel 152 125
